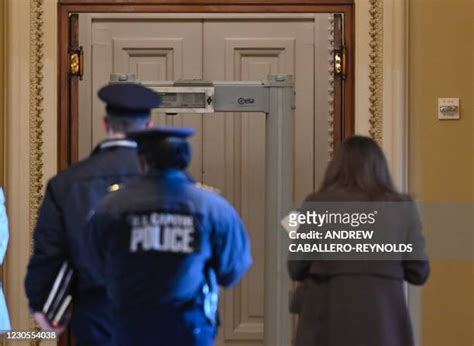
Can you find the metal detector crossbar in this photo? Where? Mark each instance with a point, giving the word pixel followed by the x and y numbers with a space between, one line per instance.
pixel 275 97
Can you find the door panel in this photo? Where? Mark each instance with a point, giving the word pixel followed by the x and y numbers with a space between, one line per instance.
pixel 153 50
pixel 235 160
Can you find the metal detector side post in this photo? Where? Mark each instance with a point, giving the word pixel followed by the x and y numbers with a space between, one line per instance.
pixel 275 97
pixel 279 201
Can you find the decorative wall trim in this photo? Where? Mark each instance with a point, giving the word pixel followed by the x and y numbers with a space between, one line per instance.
pixel 36 108
pixel 376 70
pixel 36 117
pixel 331 86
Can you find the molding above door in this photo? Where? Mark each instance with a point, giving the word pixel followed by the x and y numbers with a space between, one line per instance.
pixel 205 2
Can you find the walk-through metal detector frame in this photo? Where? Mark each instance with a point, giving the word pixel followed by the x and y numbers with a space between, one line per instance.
pixel 275 97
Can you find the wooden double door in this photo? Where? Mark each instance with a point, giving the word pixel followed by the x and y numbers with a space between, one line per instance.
pixel 228 148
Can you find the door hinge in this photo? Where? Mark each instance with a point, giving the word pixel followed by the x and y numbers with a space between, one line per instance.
pixel 76 62
pixel 340 61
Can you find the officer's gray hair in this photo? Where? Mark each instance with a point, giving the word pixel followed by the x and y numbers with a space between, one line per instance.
pixel 126 124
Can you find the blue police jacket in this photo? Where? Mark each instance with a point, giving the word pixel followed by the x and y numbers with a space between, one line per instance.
pixel 70 198
pixel 155 238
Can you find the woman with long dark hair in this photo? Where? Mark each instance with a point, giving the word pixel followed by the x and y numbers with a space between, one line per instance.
pixel 358 303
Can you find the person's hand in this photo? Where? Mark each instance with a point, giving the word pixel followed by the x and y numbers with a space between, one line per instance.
pixel 44 324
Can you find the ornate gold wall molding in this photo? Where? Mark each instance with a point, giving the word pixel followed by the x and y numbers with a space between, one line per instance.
pixel 376 70
pixel 331 86
pixel 36 116
pixel 36 108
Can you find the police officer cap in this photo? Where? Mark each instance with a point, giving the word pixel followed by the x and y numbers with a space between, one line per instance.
pixel 128 99
pixel 160 132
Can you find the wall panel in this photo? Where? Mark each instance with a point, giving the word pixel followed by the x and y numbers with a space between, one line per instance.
pixel 442 152
pixel 3 26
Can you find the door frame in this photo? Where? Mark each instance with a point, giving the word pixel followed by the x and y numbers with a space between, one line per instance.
pixel 67 105
pixel 68 126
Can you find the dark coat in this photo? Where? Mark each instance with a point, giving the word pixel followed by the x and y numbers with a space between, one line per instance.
pixel 356 303
pixel 155 283
pixel 69 199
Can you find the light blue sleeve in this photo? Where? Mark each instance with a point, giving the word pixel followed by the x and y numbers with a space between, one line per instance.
pixel 4 318
pixel 3 227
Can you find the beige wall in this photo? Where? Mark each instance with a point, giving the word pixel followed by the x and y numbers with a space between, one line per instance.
pixel 442 152
pixel 2 109
pixel 2 91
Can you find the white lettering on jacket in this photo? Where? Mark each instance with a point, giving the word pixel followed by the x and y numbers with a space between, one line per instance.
pixel 162 232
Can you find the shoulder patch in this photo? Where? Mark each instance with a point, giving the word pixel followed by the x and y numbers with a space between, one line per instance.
pixel 113 188
pixel 207 188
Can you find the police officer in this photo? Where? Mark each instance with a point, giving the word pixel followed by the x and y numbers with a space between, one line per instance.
pixel 70 198
pixel 165 244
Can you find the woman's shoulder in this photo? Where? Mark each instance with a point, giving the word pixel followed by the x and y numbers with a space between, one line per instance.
pixel 398 197
pixel 317 196
pixel 335 196
pixel 347 196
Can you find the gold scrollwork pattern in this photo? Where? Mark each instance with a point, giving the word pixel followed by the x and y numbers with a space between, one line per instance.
pixel 36 119
pixel 331 85
pixel 376 70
